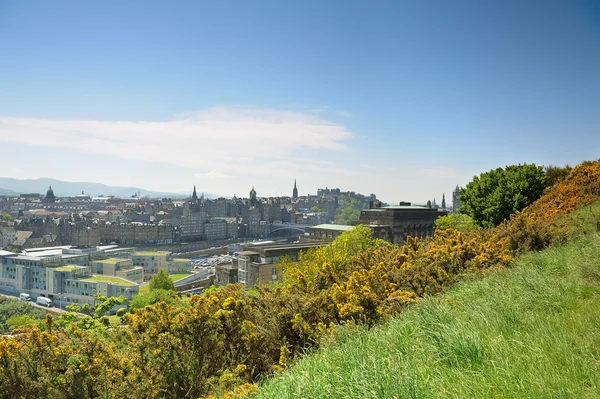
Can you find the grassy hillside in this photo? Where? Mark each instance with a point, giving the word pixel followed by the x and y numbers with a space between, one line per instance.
pixel 526 332
pixel 529 332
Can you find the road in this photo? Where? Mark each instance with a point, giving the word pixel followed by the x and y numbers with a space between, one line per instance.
pixel 35 305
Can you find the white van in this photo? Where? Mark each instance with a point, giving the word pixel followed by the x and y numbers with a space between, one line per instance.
pixel 25 297
pixel 44 301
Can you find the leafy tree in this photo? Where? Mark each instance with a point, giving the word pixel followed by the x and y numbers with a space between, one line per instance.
pixel 10 307
pixel 22 321
pixel 5 216
pixel 162 281
pixel 350 210
pixel 555 174
pixel 495 195
pixel 456 221
pixel 106 304
pixel 155 296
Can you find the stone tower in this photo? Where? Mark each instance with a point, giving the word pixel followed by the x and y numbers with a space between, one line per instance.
pixel 456 199
pixel 253 200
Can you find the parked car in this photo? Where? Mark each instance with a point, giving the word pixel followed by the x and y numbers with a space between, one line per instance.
pixel 25 297
pixel 44 301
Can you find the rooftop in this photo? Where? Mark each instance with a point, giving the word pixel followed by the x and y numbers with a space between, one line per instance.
pixel 247 253
pixel 68 268
pixel 111 261
pixel 150 253
pixel 118 250
pixel 180 260
pixel 47 248
pixel 334 227
pixel 226 266
pixel 112 280
pixel 25 257
pixel 407 207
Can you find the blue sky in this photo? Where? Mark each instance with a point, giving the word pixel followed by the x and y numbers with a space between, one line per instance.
pixel 404 99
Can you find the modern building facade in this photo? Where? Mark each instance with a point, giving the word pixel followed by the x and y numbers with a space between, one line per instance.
pixel 257 264
pixel 45 273
pixel 151 262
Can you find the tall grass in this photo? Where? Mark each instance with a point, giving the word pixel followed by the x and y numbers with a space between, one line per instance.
pixel 529 332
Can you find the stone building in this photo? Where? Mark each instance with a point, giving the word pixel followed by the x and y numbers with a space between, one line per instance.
pixel 395 223
pixel 215 229
pixel 226 274
pixel 456 199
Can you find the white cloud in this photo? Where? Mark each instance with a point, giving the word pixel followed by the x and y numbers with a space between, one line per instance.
pixel 222 139
pixel 366 166
pixel 213 174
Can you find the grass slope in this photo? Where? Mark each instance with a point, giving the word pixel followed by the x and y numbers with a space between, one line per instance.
pixel 529 332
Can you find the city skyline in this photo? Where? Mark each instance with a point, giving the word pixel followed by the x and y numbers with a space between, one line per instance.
pixel 402 100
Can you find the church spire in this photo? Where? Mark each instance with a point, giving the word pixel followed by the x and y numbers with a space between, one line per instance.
pixel 444 201
pixel 295 192
pixel 194 195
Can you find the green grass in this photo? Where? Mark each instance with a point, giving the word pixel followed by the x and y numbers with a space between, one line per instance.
pixel 150 253
pixel 110 261
pixel 144 288
pixel 174 277
pixel 115 280
pixel 181 260
pixel 529 332
pixel 67 268
pixel 179 276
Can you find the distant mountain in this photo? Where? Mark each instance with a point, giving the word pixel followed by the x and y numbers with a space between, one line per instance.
pixel 7 192
pixel 9 186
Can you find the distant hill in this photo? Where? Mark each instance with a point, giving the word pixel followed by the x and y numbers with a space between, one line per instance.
pixel 10 186
pixel 7 192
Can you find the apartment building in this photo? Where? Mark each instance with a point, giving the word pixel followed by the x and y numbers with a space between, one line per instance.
pixel 258 263
pixel 46 275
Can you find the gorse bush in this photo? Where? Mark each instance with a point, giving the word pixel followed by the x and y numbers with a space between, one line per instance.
pixel 545 222
pixel 223 341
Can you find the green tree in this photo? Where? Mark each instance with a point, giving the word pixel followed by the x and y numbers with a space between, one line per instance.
pixel 350 207
pixel 456 221
pixel 554 174
pixel 10 307
pixel 22 321
pixel 162 281
pixel 155 296
pixel 495 195
pixel 106 304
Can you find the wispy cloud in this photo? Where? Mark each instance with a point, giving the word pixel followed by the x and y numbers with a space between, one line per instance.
pixel 366 166
pixel 222 140
pixel 213 174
